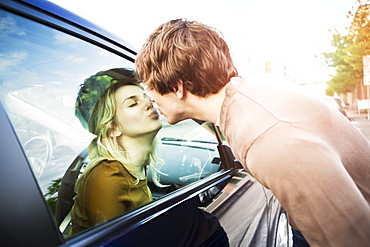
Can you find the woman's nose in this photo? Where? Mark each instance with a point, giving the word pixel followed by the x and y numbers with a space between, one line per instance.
pixel 149 104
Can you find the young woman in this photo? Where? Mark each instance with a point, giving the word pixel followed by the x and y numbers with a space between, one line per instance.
pixel 125 124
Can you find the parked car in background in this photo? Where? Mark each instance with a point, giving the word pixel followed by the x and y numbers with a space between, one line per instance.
pixel 46 53
pixel 339 104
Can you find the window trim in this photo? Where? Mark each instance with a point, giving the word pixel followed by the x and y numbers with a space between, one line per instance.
pixel 91 34
pixel 22 189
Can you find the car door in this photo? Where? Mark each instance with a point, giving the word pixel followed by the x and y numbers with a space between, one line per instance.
pixel 46 53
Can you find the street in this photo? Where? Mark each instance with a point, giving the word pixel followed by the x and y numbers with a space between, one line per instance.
pixel 249 207
pixel 362 123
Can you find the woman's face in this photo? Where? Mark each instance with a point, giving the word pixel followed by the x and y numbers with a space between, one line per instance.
pixel 135 114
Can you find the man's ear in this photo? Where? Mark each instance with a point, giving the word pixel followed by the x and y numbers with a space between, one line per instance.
pixel 180 91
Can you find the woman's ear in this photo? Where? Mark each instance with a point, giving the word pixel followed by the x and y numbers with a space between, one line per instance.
pixel 113 131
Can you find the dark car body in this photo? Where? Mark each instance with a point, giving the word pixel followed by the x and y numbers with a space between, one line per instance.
pixel 46 52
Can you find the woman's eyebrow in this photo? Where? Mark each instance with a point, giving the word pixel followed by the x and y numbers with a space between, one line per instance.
pixel 135 96
pixel 130 97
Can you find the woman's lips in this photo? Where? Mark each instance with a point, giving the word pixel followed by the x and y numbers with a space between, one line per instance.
pixel 154 115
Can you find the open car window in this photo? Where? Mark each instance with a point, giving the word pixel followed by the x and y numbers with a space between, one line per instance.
pixel 41 72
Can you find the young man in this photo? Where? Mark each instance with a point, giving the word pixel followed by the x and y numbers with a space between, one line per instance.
pixel 310 156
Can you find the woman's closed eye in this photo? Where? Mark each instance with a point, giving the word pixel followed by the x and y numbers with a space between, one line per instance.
pixel 130 102
pixel 135 100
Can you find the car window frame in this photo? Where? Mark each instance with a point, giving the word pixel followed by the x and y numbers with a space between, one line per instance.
pixel 22 191
pixel 139 216
pixel 35 11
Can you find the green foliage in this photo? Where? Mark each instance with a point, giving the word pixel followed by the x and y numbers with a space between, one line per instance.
pixel 51 196
pixel 95 86
pixel 89 94
pixel 347 59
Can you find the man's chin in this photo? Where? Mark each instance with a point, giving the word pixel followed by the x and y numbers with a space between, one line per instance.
pixel 174 120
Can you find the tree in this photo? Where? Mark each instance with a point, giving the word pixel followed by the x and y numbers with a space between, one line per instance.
pixel 347 59
pixel 51 196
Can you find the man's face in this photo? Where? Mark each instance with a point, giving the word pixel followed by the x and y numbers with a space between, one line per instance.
pixel 169 105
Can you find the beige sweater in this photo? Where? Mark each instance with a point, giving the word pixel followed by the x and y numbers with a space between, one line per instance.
pixel 312 158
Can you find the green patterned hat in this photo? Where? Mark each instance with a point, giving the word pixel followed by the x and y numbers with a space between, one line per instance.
pixel 94 86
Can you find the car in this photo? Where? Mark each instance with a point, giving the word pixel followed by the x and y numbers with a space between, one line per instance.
pixel 339 104
pixel 46 53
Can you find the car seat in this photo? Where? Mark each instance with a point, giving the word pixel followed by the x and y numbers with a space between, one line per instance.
pixel 66 191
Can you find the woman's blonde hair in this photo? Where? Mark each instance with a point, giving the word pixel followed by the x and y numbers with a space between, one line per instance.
pixel 100 124
pixel 186 51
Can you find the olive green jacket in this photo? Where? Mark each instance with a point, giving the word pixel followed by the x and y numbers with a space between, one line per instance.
pixel 107 191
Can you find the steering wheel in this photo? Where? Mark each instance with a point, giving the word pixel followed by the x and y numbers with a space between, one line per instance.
pixel 39 151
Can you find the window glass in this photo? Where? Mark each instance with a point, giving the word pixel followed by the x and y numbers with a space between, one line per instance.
pixel 190 152
pixel 41 70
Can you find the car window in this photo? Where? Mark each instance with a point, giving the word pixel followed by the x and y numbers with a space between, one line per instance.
pixel 41 73
pixel 190 152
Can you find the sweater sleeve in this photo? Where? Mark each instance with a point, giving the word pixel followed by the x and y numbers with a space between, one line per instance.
pixel 107 192
pixel 309 180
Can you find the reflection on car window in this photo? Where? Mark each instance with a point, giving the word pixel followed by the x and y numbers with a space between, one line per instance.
pixel 41 73
pixel 41 70
pixel 125 125
pixel 190 152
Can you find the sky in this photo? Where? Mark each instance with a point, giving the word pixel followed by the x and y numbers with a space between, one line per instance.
pixel 290 34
